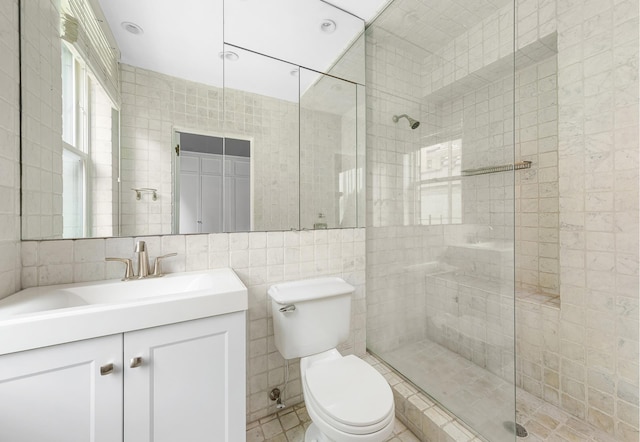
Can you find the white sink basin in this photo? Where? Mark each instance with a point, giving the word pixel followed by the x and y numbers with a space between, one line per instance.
pixel 50 315
pixel 29 301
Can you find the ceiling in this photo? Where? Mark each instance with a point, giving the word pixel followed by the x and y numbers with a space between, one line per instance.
pixel 184 38
pixel 367 10
pixel 431 24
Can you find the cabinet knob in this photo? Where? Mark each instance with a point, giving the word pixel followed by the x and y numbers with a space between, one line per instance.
pixel 106 369
pixel 136 362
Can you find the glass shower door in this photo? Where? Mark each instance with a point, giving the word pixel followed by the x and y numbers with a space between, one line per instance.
pixel 440 231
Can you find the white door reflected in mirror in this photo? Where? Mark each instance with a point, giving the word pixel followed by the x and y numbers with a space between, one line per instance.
pixel 214 184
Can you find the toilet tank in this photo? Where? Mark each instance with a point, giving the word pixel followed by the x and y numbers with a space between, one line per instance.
pixel 310 316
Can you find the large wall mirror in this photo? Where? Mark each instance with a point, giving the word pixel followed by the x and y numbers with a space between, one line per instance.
pixel 145 118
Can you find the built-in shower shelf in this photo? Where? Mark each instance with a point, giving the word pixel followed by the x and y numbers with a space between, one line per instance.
pixel 441 90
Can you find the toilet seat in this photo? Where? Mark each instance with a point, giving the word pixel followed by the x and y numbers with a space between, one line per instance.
pixel 349 395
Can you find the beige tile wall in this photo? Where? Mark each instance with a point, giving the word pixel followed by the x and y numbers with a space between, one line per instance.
pixel 598 170
pixel 9 150
pixel 537 224
pixel 42 120
pixel 260 259
pixel 583 356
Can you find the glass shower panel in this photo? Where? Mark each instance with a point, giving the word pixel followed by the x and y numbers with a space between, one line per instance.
pixel 440 235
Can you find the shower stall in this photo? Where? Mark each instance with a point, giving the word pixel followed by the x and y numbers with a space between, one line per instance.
pixel 502 215
pixel 441 206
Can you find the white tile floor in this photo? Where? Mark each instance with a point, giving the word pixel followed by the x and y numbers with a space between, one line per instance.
pixel 544 422
pixel 290 424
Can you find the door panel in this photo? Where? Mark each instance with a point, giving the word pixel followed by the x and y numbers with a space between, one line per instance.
pixel 189 203
pixel 211 203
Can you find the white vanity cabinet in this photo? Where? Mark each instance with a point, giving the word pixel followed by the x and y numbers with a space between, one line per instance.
pixel 189 383
pixel 57 394
pixel 177 382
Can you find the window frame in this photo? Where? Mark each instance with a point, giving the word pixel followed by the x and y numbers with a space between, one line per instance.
pixel 452 163
pixel 81 113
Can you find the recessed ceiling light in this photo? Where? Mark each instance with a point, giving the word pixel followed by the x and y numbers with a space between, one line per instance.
pixel 411 18
pixel 328 26
pixel 229 56
pixel 132 28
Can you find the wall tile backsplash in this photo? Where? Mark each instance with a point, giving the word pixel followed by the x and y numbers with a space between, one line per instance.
pixel 260 259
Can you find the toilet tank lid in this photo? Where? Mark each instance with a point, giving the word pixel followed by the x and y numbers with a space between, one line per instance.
pixel 307 289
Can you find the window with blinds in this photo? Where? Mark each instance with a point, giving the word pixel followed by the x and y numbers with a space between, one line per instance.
pixel 81 26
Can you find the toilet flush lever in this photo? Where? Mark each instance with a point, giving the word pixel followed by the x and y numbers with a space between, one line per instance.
pixel 288 308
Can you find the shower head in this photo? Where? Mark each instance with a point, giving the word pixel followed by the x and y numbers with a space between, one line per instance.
pixel 414 123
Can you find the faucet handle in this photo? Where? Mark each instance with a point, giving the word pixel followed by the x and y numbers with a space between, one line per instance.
pixel 157 269
pixel 128 272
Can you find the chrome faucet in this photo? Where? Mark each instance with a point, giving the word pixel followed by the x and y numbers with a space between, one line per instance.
pixel 143 263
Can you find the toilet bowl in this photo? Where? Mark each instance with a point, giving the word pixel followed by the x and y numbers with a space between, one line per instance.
pixel 346 398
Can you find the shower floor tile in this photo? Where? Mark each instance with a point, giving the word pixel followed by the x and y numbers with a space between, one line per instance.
pixel 546 422
pixel 290 424
pixel 481 398
pixel 477 396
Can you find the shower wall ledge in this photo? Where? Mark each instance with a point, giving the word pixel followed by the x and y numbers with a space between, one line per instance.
pixel 537 298
pixel 438 90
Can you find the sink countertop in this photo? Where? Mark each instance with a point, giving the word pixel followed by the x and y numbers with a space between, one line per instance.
pixel 51 315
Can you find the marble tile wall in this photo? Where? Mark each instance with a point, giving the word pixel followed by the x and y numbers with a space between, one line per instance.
pixel 260 259
pixel 583 357
pixel 9 150
pixel 537 225
pixel 581 353
pixel 42 120
pixel 598 179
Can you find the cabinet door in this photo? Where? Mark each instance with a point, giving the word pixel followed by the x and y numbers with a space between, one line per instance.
pixel 57 394
pixel 190 383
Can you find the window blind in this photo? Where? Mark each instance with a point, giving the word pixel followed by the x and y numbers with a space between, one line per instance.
pixel 81 26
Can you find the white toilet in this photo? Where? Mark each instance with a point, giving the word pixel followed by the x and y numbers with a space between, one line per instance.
pixel 346 398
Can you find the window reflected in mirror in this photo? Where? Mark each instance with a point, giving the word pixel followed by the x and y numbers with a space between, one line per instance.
pixel 90 154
